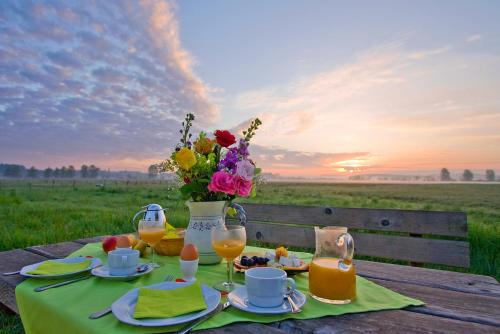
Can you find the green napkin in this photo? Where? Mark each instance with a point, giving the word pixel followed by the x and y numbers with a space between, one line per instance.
pixel 152 303
pixel 51 267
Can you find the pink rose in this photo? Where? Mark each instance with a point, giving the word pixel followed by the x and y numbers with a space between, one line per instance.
pixel 245 169
pixel 222 182
pixel 243 187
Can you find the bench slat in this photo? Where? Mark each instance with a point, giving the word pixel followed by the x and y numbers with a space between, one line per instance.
pixel 447 252
pixel 55 251
pixel 411 221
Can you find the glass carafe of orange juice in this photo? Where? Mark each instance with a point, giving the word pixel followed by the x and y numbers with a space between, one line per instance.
pixel 332 278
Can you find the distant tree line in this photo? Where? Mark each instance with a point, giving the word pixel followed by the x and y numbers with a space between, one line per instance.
pixel 18 171
pixel 467 175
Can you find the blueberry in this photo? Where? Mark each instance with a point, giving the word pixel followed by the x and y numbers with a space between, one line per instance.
pixel 244 261
pixel 266 260
pixel 244 257
pixel 260 260
pixel 250 262
pixel 255 257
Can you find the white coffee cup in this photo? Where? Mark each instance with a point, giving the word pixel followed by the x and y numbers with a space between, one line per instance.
pixel 267 286
pixel 189 269
pixel 123 261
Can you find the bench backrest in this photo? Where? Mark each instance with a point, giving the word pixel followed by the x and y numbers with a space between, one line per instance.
pixel 392 234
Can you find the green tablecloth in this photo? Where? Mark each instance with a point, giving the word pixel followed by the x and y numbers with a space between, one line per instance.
pixel 66 309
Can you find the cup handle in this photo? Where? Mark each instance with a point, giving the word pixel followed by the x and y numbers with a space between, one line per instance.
pixel 291 283
pixel 124 260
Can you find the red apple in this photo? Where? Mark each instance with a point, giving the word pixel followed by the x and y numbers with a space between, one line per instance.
pixel 109 244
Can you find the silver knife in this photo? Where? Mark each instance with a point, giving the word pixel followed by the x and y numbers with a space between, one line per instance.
pixel 219 308
pixel 101 313
pixel 50 286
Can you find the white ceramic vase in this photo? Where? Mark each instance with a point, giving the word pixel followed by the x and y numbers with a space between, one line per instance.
pixel 205 216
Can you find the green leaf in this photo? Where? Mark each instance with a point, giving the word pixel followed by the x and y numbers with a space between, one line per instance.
pixel 253 192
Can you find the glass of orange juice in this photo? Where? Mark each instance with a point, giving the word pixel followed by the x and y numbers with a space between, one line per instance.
pixel 332 277
pixel 228 242
pixel 151 232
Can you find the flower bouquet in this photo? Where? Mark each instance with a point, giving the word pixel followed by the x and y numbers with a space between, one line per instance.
pixel 213 169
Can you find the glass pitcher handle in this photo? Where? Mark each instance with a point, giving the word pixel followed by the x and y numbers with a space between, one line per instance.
pixel 240 212
pixel 348 244
pixel 135 216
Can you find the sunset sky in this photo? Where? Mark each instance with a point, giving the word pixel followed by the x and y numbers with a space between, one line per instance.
pixel 341 87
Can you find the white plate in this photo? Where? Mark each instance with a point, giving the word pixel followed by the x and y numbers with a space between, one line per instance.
pixel 95 262
pixel 124 307
pixel 103 272
pixel 239 299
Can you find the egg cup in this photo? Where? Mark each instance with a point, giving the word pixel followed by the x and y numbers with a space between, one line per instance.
pixel 189 269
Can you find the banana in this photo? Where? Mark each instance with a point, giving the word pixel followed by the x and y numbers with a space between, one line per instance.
pixel 142 247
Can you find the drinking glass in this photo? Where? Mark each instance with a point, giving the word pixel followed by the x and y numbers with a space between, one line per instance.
pixel 228 242
pixel 151 232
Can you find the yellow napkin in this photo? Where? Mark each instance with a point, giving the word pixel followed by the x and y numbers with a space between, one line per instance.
pixel 59 268
pixel 153 303
pixel 171 232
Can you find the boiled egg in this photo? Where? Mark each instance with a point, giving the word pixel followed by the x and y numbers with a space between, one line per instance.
pixel 189 252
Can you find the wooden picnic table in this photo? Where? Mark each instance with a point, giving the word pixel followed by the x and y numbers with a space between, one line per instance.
pixel 455 302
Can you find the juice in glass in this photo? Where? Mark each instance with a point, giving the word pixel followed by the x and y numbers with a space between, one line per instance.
pixel 152 235
pixel 228 248
pixel 332 281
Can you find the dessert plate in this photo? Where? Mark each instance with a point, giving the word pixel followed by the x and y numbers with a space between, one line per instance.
pixel 94 263
pixel 238 298
pixel 290 270
pixel 124 307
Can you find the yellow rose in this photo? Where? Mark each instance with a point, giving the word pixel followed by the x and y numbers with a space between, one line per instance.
pixel 185 158
pixel 204 145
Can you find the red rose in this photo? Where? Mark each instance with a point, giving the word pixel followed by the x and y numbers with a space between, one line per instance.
pixel 224 138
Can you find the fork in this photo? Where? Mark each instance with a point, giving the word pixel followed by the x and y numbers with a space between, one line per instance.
pixel 107 310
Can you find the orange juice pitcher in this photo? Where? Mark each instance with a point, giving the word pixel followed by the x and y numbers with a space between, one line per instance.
pixel 332 278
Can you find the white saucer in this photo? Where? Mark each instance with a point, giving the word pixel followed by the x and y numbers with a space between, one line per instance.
pixel 103 272
pixel 94 263
pixel 238 298
pixel 124 307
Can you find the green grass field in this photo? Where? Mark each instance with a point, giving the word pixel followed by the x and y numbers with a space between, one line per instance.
pixel 37 212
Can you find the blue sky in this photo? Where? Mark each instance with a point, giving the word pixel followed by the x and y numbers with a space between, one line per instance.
pixel 386 86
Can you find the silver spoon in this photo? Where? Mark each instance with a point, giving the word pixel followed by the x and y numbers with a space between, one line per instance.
pixel 12 273
pixel 295 308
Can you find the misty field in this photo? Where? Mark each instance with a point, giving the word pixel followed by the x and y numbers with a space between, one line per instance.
pixel 41 212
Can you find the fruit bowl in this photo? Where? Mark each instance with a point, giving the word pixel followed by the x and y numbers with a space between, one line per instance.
pixel 171 246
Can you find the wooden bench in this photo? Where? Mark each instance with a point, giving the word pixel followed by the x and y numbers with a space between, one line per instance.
pixel 455 302
pixel 390 234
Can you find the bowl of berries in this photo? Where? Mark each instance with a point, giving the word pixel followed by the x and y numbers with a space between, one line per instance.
pixel 279 258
